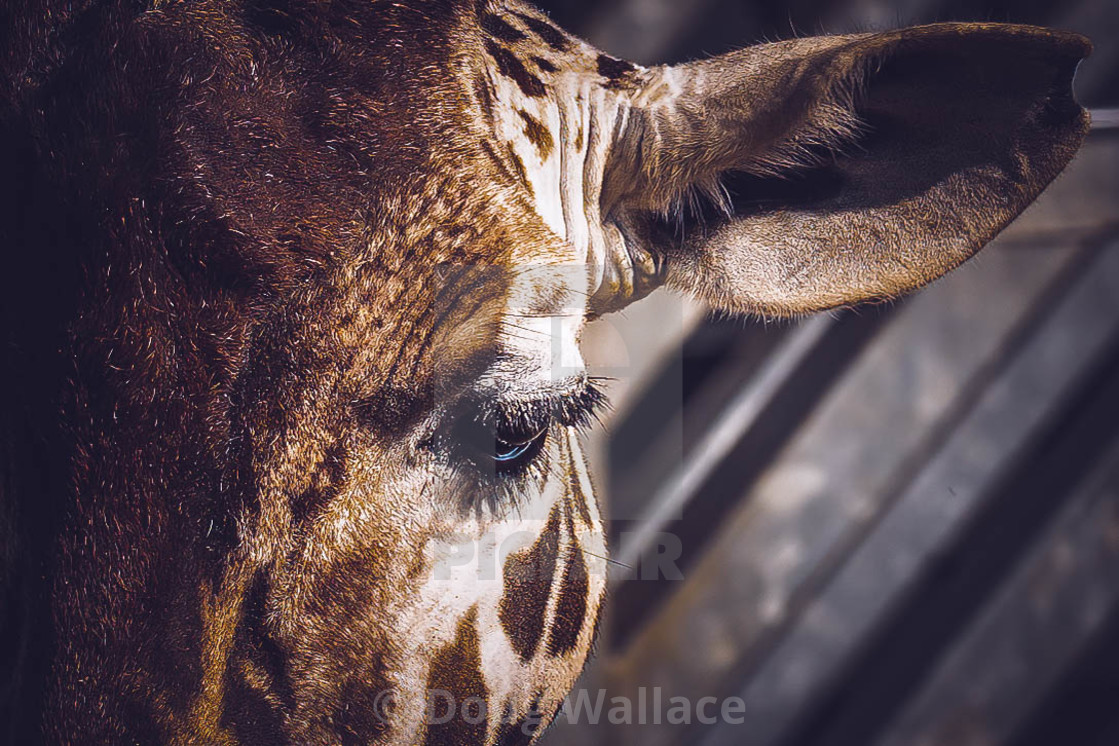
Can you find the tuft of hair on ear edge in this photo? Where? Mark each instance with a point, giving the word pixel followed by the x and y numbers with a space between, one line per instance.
pixel 694 203
pixel 829 128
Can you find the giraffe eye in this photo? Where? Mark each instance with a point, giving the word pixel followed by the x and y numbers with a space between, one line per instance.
pixel 503 448
pixel 505 436
pixel 513 451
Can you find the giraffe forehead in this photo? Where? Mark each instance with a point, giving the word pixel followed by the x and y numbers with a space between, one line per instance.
pixel 553 110
pixel 544 318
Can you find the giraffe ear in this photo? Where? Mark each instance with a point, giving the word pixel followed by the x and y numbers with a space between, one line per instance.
pixel 815 173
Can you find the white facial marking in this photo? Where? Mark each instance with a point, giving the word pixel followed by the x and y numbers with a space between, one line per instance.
pixel 583 119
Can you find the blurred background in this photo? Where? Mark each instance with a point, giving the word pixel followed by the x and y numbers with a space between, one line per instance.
pixel 889 526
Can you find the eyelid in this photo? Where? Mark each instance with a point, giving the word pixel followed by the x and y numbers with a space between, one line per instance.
pixel 578 407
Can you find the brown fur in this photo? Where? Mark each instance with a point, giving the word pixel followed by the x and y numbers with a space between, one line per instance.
pixel 252 248
pixel 248 229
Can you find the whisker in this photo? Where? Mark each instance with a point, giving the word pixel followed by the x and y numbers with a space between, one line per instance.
pixel 528 330
pixel 607 559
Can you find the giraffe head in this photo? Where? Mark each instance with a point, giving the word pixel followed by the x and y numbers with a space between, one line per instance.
pixel 326 386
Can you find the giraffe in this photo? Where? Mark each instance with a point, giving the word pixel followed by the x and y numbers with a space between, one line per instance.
pixel 295 292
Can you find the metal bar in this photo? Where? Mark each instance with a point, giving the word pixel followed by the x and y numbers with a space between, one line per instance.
pixel 669 503
pixel 1105 119
pixel 1046 614
pixel 934 508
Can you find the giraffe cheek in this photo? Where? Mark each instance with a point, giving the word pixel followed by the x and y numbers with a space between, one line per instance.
pixel 457 672
pixel 522 732
pixel 571 606
pixel 527 579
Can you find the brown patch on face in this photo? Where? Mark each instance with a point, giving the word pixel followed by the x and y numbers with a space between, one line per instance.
pixel 520 171
pixel 357 716
pixel 548 33
pixel 616 72
pixel 468 313
pixel 326 483
pixel 544 65
pixel 538 134
pixel 521 732
pixel 482 92
pixel 511 67
pixel 579 139
pixel 499 28
pixel 571 609
pixel 457 670
pixel 528 576
pixel 497 160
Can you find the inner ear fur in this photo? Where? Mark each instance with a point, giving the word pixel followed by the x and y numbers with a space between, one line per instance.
pixel 842 169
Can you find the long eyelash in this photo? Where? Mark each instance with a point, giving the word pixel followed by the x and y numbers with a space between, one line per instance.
pixel 579 410
pixel 484 488
pixel 501 492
